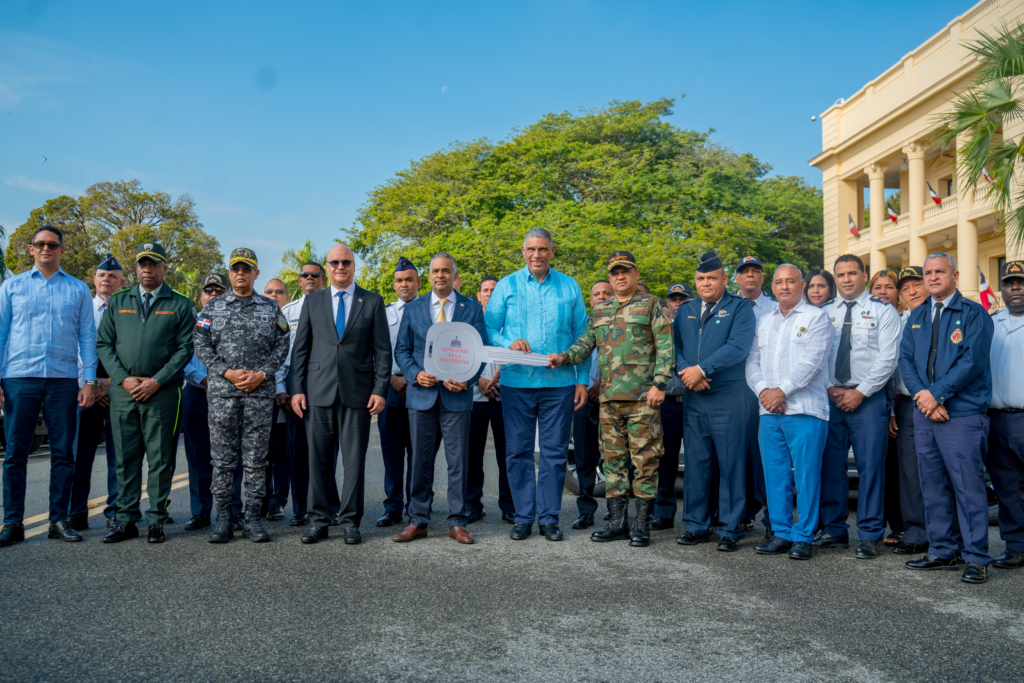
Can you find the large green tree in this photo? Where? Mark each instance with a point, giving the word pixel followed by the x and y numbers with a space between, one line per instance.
pixel 617 178
pixel 118 217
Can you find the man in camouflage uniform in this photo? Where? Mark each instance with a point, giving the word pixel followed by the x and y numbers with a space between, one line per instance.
pixel 242 337
pixel 635 355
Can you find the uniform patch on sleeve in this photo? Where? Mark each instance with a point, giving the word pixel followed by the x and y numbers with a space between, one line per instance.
pixel 203 322
pixel 282 322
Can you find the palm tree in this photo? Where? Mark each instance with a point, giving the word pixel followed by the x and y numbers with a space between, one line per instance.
pixel 293 261
pixel 981 114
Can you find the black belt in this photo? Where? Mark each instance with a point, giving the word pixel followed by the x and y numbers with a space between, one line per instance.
pixel 1006 410
pixel 674 399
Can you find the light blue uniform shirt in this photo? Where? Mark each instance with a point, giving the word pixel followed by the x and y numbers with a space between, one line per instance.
pixel 549 315
pixel 1007 360
pixel 195 373
pixel 45 324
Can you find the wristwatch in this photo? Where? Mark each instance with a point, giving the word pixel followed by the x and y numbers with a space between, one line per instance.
pixel 91 382
pixel 660 386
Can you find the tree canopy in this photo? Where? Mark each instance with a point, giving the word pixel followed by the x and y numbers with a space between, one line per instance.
pixel 116 218
pixel 617 178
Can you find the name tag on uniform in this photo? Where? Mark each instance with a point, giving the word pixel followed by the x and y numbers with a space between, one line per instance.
pixel 127 310
pixel 164 312
pixel 915 327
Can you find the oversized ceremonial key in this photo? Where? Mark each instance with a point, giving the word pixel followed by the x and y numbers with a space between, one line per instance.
pixel 455 351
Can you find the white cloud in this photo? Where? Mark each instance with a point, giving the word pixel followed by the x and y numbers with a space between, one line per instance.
pixel 42 185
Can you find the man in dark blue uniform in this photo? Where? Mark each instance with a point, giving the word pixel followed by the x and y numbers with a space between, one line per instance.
pixel 713 334
pixel 944 361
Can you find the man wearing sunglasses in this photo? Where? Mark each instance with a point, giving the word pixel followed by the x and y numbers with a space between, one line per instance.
pixel 46 322
pixel 311 279
pixel 277 457
pixel 243 339
pixel 341 364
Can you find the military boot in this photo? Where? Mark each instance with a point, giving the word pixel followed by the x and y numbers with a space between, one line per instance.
pixel 641 537
pixel 618 524
pixel 222 532
pixel 253 528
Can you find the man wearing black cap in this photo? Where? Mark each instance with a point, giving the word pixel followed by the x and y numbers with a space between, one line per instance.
pixel 94 421
pixel 145 342
pixel 1006 435
pixel 713 335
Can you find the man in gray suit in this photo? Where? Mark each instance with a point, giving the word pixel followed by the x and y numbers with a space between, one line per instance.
pixel 433 406
pixel 341 364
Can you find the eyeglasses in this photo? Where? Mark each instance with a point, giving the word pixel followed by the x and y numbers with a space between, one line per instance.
pixel 213 289
pixel 344 263
pixel 303 276
pixel 275 291
pixel 52 246
pixel 240 268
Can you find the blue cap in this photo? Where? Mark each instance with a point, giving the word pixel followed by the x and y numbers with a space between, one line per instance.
pixel 709 262
pixel 109 263
pixel 404 264
pixel 680 288
pixel 749 261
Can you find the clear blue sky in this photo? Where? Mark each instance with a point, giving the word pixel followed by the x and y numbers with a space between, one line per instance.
pixel 279 117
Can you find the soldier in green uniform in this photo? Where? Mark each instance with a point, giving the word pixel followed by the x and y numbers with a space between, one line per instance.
pixel 145 342
pixel 635 355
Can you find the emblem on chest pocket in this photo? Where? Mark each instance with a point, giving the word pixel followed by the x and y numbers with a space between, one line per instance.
pixel 956 337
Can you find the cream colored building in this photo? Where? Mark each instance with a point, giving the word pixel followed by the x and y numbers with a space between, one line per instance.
pixel 880 138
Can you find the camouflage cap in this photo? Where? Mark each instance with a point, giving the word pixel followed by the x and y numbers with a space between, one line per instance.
pixel 154 251
pixel 243 255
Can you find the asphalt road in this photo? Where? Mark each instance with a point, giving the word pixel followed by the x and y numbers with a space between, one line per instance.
pixel 534 610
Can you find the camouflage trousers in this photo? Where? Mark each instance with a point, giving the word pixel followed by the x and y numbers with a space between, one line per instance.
pixel 630 430
pixel 239 428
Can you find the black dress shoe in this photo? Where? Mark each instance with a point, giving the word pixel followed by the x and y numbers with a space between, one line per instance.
pixel 769 534
pixel 867 550
pixel 662 523
pixel 122 531
pixel 801 551
pixel 79 523
pixel 336 520
pixel 314 535
pixel 823 540
pixel 352 536
pixel 196 523
pixel 475 517
pixel 62 531
pixel 299 520
pixel 1011 559
pixel 237 522
pixel 551 532
pixel 776 546
pixel 584 521
pixel 111 521
pixel 727 544
pixel 389 519
pixel 932 563
pixel 910 548
pixel 508 518
pixel 974 573
pixel 690 538
pixel 521 532
pixel 275 513
pixel 156 534
pixel 11 534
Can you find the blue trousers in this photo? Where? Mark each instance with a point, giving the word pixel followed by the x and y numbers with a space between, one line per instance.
pixel 298 462
pixel 195 427
pixel 587 452
pixel 23 397
pixel 278 466
pixel 1006 465
pixel 93 429
pixel 532 414
pixel 715 430
pixel 487 413
pixel 867 430
pixel 424 426
pixel 949 459
pixel 668 467
pixel 396 448
pixel 791 450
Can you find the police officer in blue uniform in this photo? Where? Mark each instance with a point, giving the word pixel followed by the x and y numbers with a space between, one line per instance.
pixel 863 359
pixel 944 361
pixel 1006 435
pixel 713 334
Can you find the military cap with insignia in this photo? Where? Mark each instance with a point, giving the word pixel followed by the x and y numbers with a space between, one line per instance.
pixel 749 261
pixel 109 263
pixel 909 273
pixel 621 258
pixel 709 262
pixel 154 251
pixel 680 289
pixel 243 255
pixel 1011 269
pixel 217 280
pixel 404 264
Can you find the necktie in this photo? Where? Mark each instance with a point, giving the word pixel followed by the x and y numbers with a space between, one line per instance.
pixel 707 313
pixel 440 315
pixel 752 304
pixel 934 351
pixel 843 372
pixel 146 300
pixel 339 319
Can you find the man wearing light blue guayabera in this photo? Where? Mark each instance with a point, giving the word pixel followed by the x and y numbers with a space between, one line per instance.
pixel 539 310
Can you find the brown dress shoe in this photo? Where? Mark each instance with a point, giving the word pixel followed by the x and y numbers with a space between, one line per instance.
pixel 460 534
pixel 409 533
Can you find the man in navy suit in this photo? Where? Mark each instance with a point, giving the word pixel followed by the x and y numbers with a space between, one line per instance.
pixel 434 406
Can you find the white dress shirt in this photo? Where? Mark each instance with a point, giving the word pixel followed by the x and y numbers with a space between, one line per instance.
pixel 874 341
pixel 762 305
pixel 292 310
pixel 1007 360
pixel 791 353
pixel 99 307
pixel 394 314
pixel 435 306
pixel 488 373
pixel 345 294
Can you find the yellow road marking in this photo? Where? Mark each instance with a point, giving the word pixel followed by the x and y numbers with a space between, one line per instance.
pixel 92 503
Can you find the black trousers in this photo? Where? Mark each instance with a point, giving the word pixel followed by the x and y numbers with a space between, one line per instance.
pixel 668 467
pixel 587 453
pixel 487 413
pixel 298 467
pixel 327 430
pixel 910 496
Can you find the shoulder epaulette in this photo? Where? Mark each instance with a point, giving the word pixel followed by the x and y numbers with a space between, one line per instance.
pixel 879 300
pixel 829 302
pixel 179 293
pixel 121 292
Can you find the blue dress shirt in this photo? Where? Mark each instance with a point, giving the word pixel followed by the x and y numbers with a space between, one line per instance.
pixel 45 324
pixel 549 315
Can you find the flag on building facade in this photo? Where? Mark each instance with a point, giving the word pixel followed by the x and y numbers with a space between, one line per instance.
pixel 985 175
pixel 853 226
pixel 985 293
pixel 892 214
pixel 935 195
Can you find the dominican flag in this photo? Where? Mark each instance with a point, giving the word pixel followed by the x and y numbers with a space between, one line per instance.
pixel 202 322
pixel 935 195
pixel 985 175
pixel 985 294
pixel 853 226
pixel 892 214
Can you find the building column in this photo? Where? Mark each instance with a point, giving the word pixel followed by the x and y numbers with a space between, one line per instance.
pixel 876 180
pixel 918 247
pixel 966 233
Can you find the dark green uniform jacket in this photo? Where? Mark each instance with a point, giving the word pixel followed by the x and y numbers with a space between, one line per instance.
pixel 159 346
